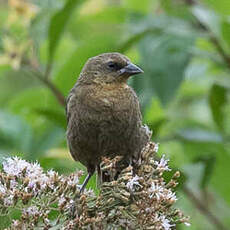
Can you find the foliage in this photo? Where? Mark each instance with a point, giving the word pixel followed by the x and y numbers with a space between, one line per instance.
pixel 184 48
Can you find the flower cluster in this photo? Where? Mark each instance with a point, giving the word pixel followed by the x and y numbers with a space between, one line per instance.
pixel 26 187
pixel 139 198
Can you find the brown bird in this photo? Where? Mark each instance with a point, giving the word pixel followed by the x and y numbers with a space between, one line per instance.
pixel 103 113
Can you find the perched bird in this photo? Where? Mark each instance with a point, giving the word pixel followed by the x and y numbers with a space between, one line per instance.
pixel 103 113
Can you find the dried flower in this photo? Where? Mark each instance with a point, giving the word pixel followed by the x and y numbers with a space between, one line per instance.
pixel 14 166
pixel 31 211
pixel 133 182
pixel 156 190
pixel 133 201
pixel 163 164
pixel 165 223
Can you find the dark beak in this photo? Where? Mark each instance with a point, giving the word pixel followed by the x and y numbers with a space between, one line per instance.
pixel 131 69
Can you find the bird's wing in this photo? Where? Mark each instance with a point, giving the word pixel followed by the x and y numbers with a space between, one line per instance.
pixel 66 108
pixel 69 104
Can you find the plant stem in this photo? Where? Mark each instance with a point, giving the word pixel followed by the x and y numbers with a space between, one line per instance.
pixel 57 93
pixel 203 208
pixel 48 70
pixel 221 51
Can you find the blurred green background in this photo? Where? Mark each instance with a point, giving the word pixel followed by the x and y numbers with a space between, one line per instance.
pixel 183 47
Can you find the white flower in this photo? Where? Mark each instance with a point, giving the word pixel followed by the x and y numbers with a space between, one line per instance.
pixel 165 223
pixel 47 221
pixel 51 173
pixel 133 181
pixel 187 224
pixel 38 183
pixel 156 190
pixel 15 166
pixel 163 164
pixel 13 184
pixel 38 180
pixel 73 181
pixel 161 193
pixel 32 211
pixel 15 223
pixel 2 189
pixel 156 147
pixel 44 181
pixel 70 203
pixel 34 170
pixel 61 201
pixel 8 201
pixel 31 184
pixel 170 195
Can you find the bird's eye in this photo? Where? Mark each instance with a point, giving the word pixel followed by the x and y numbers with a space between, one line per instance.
pixel 112 65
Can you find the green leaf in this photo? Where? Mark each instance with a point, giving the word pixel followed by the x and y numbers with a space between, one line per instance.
pixel 4 69
pixel 5 221
pixel 21 82
pixel 15 134
pixel 208 18
pixel 58 23
pixel 220 177
pixel 90 26
pixel 199 135
pixel 155 117
pixel 176 8
pixel 154 112
pixel 29 101
pixel 217 100
pixel 220 6
pixel 164 58
pixel 209 163
pixel 225 28
pixel 56 116
pixel 139 28
pixel 194 173
pixel 61 165
pixel 137 6
pixel 109 15
pixel 50 138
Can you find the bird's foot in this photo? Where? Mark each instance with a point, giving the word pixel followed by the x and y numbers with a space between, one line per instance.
pixel 85 183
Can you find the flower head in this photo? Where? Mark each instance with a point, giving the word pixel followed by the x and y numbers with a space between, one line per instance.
pixel 31 211
pixel 15 166
pixel 163 164
pixel 165 223
pixel 133 182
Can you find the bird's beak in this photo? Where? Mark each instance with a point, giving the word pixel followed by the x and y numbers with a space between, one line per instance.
pixel 131 69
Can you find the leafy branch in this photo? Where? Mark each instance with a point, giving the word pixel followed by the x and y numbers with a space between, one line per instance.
pixel 48 83
pixel 60 18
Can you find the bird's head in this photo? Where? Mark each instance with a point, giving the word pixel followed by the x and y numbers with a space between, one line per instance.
pixel 108 68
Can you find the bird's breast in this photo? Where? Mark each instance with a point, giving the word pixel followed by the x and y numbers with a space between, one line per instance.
pixel 110 98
